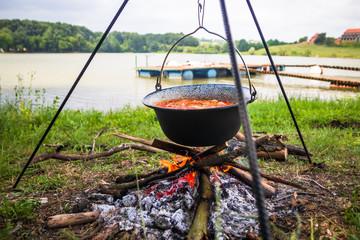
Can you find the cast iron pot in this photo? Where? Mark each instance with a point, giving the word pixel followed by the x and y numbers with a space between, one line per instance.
pixel 198 127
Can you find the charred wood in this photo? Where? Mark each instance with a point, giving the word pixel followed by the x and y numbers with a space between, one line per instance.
pixel 108 232
pixel 269 191
pixel 198 228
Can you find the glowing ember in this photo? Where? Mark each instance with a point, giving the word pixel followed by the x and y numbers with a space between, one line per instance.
pixel 178 162
pixel 225 168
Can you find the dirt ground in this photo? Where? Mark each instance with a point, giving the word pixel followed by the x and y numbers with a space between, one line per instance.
pixel 322 218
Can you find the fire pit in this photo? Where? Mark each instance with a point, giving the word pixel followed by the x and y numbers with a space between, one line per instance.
pixel 199 194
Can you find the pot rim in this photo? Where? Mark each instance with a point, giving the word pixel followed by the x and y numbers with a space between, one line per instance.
pixel 190 110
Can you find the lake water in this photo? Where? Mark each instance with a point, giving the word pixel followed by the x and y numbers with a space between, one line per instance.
pixel 111 80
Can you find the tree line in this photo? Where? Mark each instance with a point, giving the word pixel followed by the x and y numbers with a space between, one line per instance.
pixel 34 36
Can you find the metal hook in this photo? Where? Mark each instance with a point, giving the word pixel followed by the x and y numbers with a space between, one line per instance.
pixel 201 11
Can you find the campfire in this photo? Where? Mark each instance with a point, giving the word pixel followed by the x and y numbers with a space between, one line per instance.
pixel 199 193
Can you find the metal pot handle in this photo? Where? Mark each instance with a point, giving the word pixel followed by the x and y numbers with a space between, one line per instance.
pixel 252 89
pixel 158 80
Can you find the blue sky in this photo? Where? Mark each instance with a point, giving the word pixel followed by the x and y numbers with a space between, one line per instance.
pixel 279 19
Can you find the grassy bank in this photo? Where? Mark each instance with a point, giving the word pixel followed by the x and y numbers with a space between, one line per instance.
pixel 331 130
pixel 311 50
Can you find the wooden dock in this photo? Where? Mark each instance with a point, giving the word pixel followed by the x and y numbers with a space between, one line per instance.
pixel 341 82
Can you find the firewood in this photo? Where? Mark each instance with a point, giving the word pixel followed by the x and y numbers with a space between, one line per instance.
pixel 267 176
pixel 296 150
pixel 65 220
pixel 210 151
pixel 198 228
pixel 112 230
pixel 277 154
pixel 161 144
pixel 132 138
pixel 269 191
pixel 174 147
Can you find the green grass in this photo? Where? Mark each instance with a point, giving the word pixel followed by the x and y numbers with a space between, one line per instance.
pixel 22 124
pixel 311 50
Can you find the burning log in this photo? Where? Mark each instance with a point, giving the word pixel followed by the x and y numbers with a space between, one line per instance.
pixel 65 220
pixel 269 191
pixel 207 153
pixel 198 229
pixel 213 161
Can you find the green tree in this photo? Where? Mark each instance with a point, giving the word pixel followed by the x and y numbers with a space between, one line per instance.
pixel 320 39
pixel 6 39
pixel 252 51
pixel 303 39
pixel 242 45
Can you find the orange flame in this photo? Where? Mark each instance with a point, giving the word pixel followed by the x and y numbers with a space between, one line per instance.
pixel 178 162
pixel 226 168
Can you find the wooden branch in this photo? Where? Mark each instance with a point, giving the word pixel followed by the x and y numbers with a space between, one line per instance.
pixel 96 229
pixel 97 135
pixel 174 147
pixel 269 191
pixel 132 177
pixel 151 179
pixel 161 144
pixel 65 220
pixel 134 139
pixel 297 150
pixel 210 151
pixel 267 176
pixel 112 230
pixel 71 157
pixel 198 228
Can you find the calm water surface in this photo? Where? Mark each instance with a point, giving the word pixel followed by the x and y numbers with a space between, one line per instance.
pixel 111 82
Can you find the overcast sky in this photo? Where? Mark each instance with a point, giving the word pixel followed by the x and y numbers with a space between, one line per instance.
pixel 285 20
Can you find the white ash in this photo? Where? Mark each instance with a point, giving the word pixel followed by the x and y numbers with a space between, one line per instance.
pixel 238 211
pixel 167 210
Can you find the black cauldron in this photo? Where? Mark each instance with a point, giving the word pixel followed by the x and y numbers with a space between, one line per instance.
pixel 198 127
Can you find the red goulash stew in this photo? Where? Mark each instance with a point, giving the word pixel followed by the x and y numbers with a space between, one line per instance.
pixel 192 104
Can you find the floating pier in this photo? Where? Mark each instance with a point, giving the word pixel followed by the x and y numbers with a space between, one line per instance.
pixel 189 71
pixel 212 70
